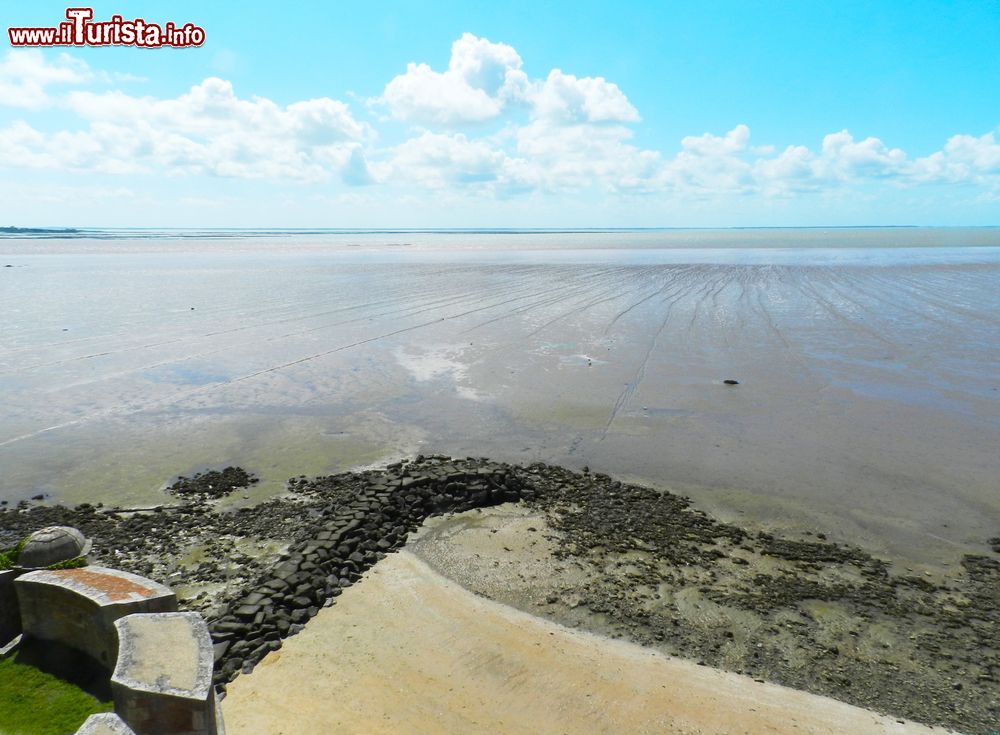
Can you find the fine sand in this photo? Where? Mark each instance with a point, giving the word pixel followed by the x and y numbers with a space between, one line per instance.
pixel 409 651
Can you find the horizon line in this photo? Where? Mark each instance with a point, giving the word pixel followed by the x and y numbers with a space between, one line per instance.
pixel 69 229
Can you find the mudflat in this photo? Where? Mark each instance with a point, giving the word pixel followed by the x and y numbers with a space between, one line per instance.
pixel 867 404
pixel 843 522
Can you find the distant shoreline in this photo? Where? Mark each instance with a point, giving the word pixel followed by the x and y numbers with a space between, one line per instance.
pixel 13 231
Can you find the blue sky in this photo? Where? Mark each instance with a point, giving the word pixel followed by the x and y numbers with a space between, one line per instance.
pixel 515 114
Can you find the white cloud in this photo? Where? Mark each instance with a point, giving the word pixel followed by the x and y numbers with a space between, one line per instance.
pixel 965 158
pixel 207 130
pixel 561 133
pixel 709 163
pixel 212 108
pixel 708 145
pixel 484 79
pixel 844 158
pixel 439 160
pixel 840 160
pixel 480 80
pixel 21 146
pixel 25 75
pixel 564 98
pixel 794 170
pixel 555 156
pixel 575 138
pixel 538 156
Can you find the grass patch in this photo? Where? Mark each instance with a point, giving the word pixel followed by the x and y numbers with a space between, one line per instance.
pixel 8 557
pixel 33 702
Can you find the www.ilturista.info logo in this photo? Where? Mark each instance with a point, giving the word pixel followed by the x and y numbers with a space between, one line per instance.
pixel 80 30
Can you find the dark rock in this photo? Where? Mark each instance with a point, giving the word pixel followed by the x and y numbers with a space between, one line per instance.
pixel 228 626
pixel 247 611
pixel 220 650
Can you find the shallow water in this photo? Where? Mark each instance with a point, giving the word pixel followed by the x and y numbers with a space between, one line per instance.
pixel 868 404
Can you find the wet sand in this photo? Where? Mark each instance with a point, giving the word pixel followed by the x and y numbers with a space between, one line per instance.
pixel 408 651
pixel 867 406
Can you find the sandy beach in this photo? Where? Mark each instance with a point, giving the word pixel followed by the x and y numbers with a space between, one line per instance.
pixel 409 651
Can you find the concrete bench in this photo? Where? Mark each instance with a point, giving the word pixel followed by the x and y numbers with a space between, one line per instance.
pixel 162 682
pixel 79 607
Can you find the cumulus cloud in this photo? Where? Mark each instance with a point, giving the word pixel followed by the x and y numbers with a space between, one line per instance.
pixel 728 164
pixel 207 130
pixel 566 99
pixel 840 160
pixel 26 74
pixel 842 157
pixel 560 157
pixel 212 108
pixel 708 145
pixel 964 158
pixel 710 163
pixel 482 77
pixel 576 136
pixel 535 157
pixel 559 133
pixel 24 147
pixel 437 160
pixel 793 170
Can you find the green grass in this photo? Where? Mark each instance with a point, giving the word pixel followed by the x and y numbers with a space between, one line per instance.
pixel 8 557
pixel 35 703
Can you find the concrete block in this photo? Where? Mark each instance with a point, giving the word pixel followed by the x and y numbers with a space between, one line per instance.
pixel 10 616
pixel 106 723
pixel 78 607
pixel 162 682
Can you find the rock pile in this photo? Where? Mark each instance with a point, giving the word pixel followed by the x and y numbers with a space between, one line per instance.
pixel 214 483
